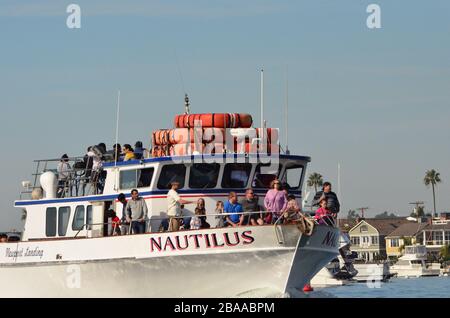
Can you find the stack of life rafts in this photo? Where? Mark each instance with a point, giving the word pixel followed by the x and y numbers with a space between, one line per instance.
pixel 208 134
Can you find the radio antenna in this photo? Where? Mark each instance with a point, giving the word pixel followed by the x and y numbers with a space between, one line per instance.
pixel 287 112
pixel 262 104
pixel 117 128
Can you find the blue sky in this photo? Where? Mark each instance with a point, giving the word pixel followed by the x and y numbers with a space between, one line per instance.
pixel 377 101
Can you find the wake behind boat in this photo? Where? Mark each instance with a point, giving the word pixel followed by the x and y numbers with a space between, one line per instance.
pixel 68 248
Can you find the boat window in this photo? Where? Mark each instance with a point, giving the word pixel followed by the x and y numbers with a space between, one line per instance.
pixel 236 175
pixel 89 217
pixel 137 178
pixel 63 220
pixel 264 175
pixel 204 175
pixel 172 173
pixel 78 219
pixel 293 176
pixel 50 222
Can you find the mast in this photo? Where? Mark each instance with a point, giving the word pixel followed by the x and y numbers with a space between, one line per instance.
pixel 287 113
pixel 262 104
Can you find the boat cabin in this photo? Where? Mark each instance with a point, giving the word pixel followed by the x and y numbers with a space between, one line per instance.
pixel 80 208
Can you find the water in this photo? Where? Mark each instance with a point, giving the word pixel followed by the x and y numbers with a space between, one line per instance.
pixel 423 287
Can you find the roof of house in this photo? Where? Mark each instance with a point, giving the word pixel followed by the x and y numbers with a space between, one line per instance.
pixel 408 229
pixel 383 226
pixel 443 226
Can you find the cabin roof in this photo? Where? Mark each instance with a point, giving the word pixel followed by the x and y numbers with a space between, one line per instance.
pixel 193 158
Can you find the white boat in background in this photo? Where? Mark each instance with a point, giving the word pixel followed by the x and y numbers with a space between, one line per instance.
pixel 372 271
pixel 67 249
pixel 414 263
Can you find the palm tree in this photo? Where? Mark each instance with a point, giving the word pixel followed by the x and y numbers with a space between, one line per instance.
pixel 432 177
pixel 315 180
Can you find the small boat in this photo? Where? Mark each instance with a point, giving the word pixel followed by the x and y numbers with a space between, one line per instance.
pixel 372 271
pixel 414 263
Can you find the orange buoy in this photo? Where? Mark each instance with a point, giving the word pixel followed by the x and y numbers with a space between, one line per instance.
pixel 214 120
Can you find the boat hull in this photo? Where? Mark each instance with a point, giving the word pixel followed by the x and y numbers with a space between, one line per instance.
pixel 279 258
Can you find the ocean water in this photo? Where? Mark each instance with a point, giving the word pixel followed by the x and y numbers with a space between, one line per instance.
pixel 422 287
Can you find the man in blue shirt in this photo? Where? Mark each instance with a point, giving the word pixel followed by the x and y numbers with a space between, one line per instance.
pixel 232 208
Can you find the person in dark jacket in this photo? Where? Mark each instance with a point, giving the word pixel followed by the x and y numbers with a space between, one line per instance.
pixel 332 200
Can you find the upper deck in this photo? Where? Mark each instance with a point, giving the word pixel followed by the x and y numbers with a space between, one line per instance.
pixel 152 176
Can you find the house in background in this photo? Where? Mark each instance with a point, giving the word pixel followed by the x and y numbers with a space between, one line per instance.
pixel 405 234
pixel 368 236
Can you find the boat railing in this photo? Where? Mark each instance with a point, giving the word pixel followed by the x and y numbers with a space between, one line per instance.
pixel 80 180
pixel 276 224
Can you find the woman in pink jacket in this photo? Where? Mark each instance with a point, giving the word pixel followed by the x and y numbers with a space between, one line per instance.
pixel 275 202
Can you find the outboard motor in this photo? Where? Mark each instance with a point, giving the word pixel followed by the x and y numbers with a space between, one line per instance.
pixel 347 255
pixel 49 183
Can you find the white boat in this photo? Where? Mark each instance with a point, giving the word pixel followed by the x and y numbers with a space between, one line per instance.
pixel 371 272
pixel 414 263
pixel 66 250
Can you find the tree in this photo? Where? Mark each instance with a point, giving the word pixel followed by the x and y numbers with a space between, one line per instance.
pixel 385 215
pixel 432 178
pixel 418 212
pixel 315 180
pixel 352 215
pixel 445 253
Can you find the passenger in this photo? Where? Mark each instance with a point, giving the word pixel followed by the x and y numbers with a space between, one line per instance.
pixel 139 151
pixel 186 221
pixel 63 170
pixel 116 152
pixel 102 148
pixel 3 238
pixel 199 220
pixel 332 199
pixel 323 214
pixel 174 202
pixel 292 211
pixel 115 223
pixel 125 225
pixel 219 218
pixel 233 209
pixel 275 202
pixel 129 153
pixel 250 204
pixel 138 210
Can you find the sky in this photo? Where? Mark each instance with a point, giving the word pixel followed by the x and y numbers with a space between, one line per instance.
pixel 375 101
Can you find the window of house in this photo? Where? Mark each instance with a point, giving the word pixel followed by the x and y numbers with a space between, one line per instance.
pixel 355 240
pixel 204 175
pixel 236 175
pixel 50 222
pixel 136 178
pixel 172 173
pixel 89 217
pixel 447 236
pixel 395 242
pixel 365 239
pixel 375 240
pixel 438 237
pixel 63 220
pixel 363 228
pixel 293 176
pixel 264 175
pixel 78 218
